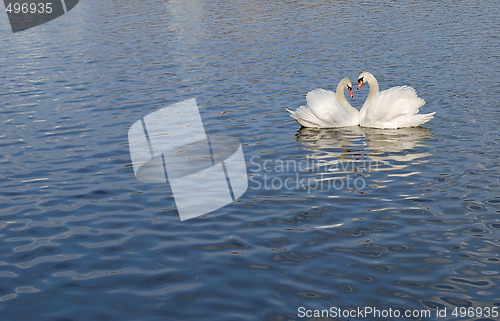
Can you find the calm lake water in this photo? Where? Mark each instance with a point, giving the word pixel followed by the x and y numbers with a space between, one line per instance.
pixel 335 218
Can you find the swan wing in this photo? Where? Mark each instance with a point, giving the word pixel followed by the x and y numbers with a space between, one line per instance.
pixel 305 117
pixel 396 107
pixel 324 105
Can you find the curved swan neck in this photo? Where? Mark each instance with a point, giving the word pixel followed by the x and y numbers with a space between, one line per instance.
pixel 340 94
pixel 374 89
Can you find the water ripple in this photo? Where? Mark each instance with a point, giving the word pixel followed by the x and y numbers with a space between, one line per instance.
pixel 385 218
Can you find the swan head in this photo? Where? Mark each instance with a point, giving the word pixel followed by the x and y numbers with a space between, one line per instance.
pixel 365 76
pixel 348 84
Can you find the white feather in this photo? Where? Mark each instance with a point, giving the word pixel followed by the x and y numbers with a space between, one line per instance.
pixel 326 109
pixel 396 107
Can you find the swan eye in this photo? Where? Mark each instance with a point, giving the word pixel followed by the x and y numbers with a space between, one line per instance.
pixel 360 79
pixel 349 87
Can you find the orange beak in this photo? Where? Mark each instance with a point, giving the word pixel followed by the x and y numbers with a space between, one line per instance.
pixel 360 83
pixel 349 89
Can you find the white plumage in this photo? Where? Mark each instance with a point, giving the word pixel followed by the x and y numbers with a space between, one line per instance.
pixel 326 109
pixel 396 107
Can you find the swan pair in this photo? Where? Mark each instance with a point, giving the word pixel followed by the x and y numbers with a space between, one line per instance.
pixel 393 108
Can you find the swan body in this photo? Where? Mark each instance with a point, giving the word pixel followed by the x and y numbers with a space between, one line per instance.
pixel 396 107
pixel 326 109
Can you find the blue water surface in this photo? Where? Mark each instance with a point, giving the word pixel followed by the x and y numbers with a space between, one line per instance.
pixel 334 218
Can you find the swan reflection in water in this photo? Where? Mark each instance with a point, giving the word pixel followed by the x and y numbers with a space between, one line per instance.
pixel 346 153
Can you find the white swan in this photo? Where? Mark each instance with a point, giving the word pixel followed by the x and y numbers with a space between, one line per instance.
pixel 396 107
pixel 326 109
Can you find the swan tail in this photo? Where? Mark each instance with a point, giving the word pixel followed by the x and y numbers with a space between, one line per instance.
pixel 423 118
pixel 291 112
pixel 414 120
pixel 304 116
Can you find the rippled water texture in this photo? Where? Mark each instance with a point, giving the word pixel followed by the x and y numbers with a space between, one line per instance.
pixel 401 219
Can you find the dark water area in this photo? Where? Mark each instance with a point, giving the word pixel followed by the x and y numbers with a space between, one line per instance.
pixel 332 219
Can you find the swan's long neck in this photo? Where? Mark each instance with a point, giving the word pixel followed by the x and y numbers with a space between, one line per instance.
pixel 341 97
pixel 374 89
